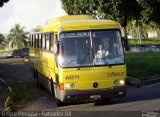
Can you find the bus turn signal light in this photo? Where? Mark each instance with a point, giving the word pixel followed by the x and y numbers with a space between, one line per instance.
pixel 61 86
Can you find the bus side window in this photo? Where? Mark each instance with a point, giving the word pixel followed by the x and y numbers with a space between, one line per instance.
pixel 34 40
pixel 40 40
pixel 43 41
pixel 37 40
pixel 55 38
pixel 47 41
pixel 31 41
pixel 51 41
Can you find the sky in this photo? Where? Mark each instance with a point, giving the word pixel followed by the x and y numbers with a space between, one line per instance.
pixel 28 13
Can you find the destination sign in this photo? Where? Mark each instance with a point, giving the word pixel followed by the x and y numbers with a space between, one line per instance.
pixel 75 34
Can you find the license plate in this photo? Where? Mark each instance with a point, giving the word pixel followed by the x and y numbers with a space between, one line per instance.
pixel 95 97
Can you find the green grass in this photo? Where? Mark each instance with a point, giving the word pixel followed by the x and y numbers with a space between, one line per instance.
pixel 143 65
pixel 21 91
pixel 144 41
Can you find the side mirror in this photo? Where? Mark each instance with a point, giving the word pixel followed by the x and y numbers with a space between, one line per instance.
pixel 125 43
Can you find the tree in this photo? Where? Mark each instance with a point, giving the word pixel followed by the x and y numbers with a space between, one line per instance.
pixel 2 41
pixel 150 11
pixel 123 11
pixel 17 37
pixel 2 2
pixel 74 7
pixel 119 10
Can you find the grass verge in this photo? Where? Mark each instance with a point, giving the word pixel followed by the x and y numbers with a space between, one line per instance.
pixel 22 92
pixel 155 41
pixel 143 65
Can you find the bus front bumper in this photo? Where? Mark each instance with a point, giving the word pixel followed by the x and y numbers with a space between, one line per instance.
pixel 96 94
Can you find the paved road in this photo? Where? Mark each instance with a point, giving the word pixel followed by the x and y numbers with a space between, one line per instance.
pixel 138 102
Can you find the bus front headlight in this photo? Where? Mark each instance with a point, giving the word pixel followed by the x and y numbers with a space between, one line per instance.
pixel 66 86
pixel 119 82
pixel 73 85
pixel 122 82
pixel 70 86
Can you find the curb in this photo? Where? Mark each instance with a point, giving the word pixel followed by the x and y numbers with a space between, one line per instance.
pixel 150 81
pixel 134 81
pixel 142 82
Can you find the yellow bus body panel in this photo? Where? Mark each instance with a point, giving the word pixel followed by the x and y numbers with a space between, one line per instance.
pixel 43 61
pixel 104 76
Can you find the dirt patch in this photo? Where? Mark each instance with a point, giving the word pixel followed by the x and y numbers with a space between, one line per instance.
pixel 16 73
pixel 26 96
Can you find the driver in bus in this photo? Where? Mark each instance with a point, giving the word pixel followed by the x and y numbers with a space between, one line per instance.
pixel 103 51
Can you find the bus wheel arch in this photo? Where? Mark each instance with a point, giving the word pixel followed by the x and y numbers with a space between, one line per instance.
pixel 38 81
pixel 55 92
pixel 33 72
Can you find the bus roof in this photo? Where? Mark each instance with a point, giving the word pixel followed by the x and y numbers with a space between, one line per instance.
pixel 77 22
pixel 68 18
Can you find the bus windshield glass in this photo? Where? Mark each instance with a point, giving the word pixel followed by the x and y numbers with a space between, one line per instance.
pixel 91 48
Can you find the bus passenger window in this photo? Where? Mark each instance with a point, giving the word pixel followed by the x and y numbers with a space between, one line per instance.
pixel 40 40
pixel 51 41
pixel 37 40
pixel 43 41
pixel 34 37
pixel 47 41
pixel 31 41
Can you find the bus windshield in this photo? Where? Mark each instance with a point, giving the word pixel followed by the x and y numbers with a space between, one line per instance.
pixel 91 48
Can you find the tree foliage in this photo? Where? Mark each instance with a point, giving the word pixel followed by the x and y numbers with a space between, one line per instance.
pixel 80 6
pixel 2 2
pixel 150 10
pixel 2 41
pixel 119 10
pixel 17 37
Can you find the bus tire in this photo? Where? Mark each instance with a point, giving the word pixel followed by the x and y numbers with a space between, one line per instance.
pixel 34 73
pixel 54 92
pixel 38 83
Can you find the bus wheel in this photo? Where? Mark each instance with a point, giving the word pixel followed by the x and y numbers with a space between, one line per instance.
pixel 34 73
pixel 54 91
pixel 38 83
